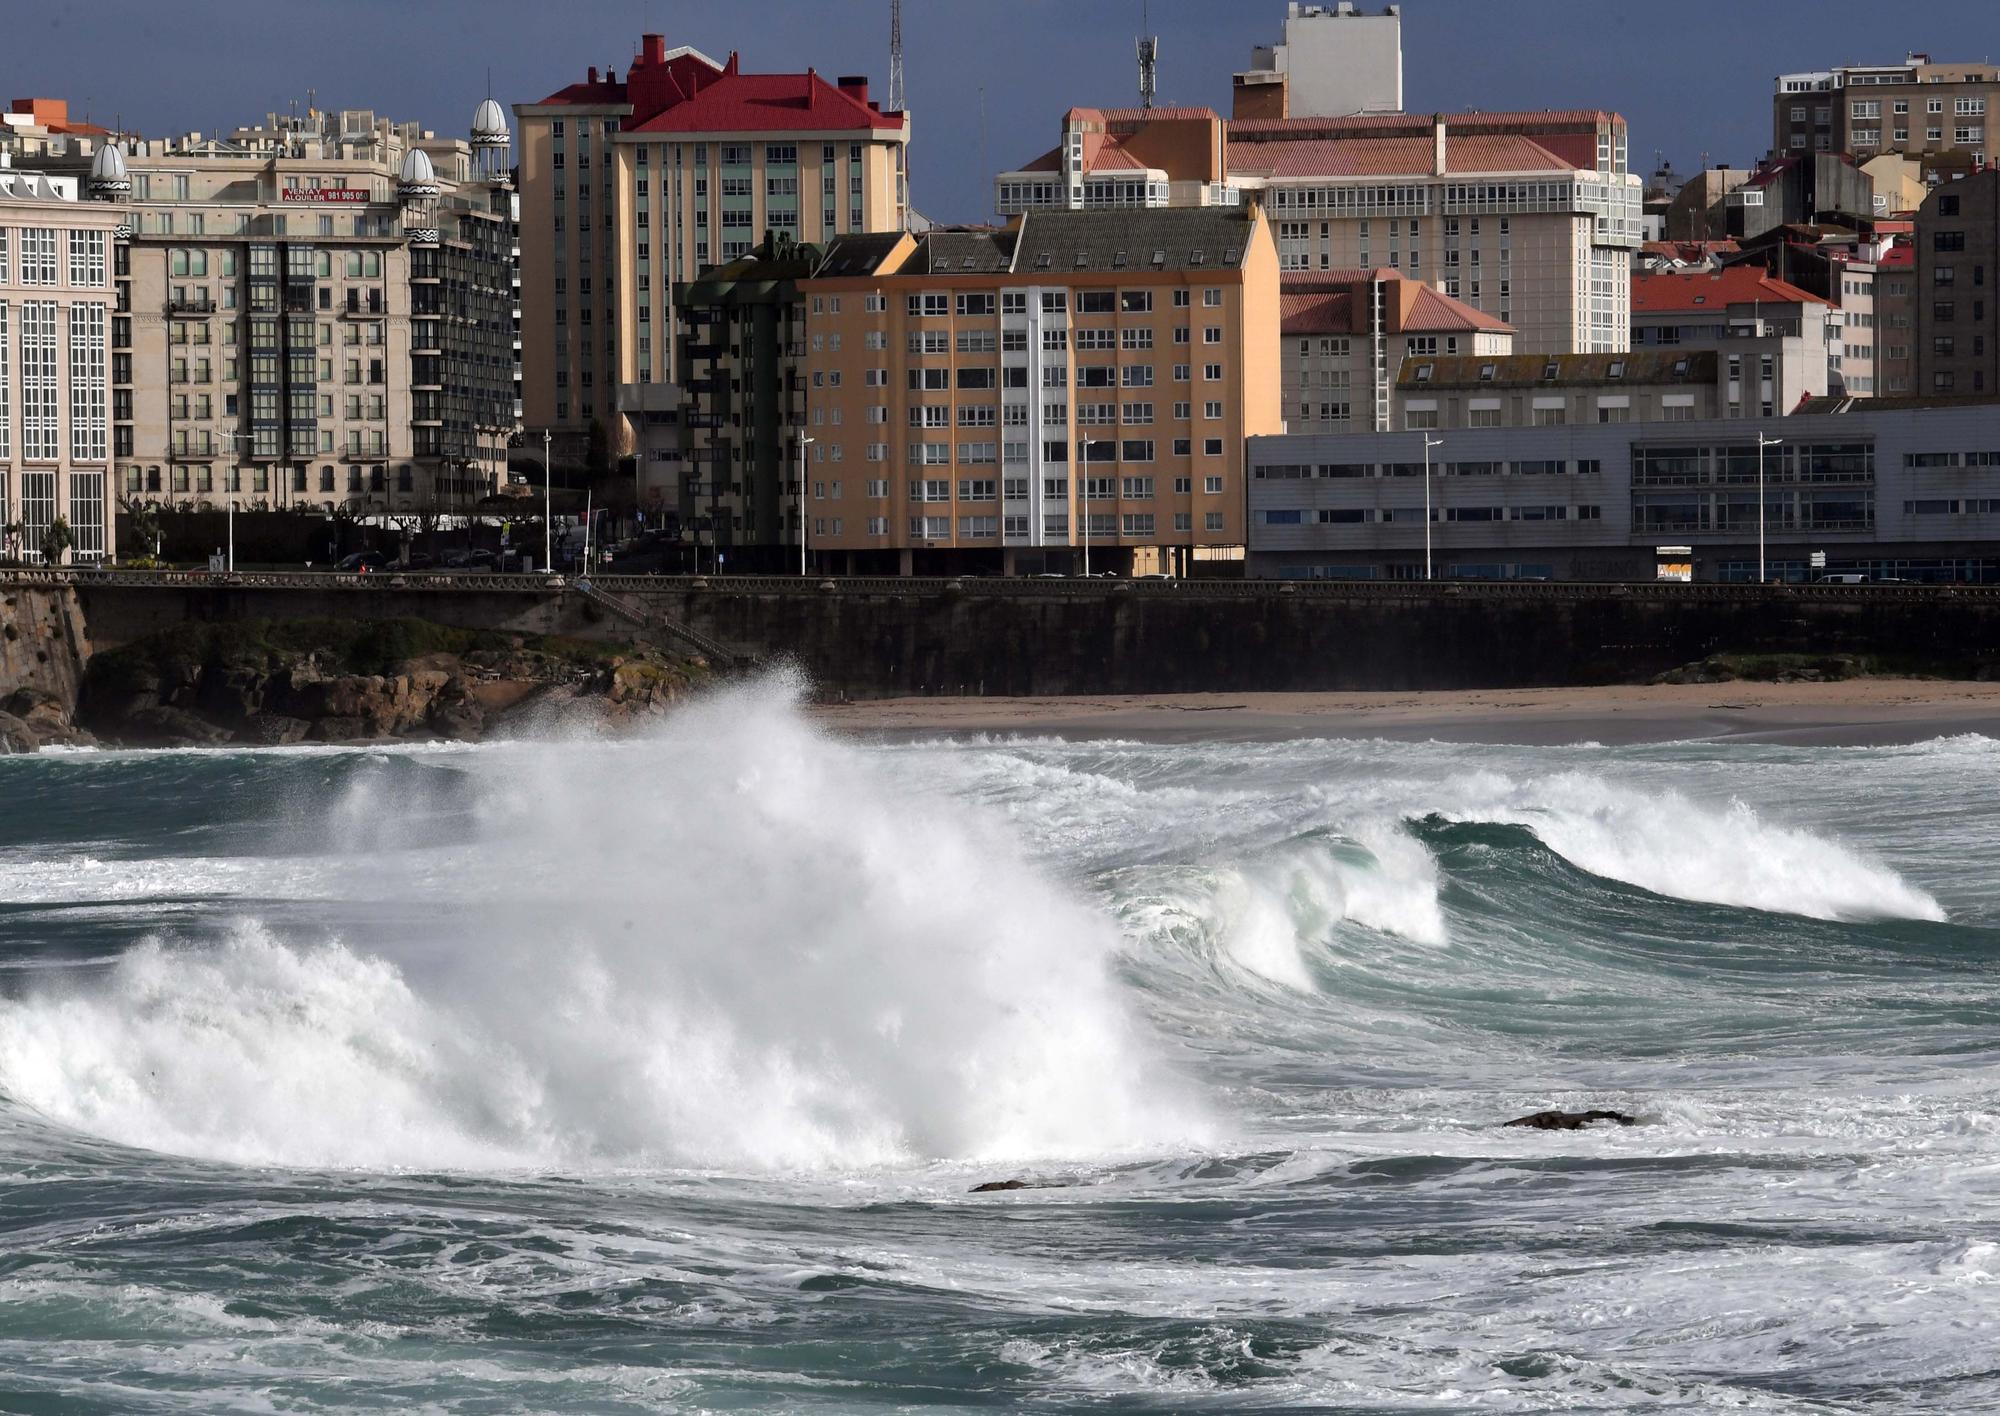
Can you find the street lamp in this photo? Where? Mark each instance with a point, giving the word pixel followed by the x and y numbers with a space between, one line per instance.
pixel 233 472
pixel 1429 443
pixel 548 537
pixel 1762 443
pixel 802 502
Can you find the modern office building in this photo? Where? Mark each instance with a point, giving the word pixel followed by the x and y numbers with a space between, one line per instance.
pixel 1335 60
pixel 632 186
pixel 1074 389
pixel 1913 107
pixel 316 311
pixel 1957 251
pixel 1531 218
pixel 1901 488
pixel 56 299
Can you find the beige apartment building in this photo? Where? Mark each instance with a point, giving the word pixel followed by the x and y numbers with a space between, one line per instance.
pixel 55 323
pixel 316 312
pixel 1915 107
pixel 1531 218
pixel 1076 388
pixel 632 185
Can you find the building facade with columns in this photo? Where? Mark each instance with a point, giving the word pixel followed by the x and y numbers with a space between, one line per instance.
pixel 315 312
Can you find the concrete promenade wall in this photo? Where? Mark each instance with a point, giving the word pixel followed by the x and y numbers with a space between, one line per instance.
pixel 871 638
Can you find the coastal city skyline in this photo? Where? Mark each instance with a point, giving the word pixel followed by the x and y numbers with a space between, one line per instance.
pixel 1683 94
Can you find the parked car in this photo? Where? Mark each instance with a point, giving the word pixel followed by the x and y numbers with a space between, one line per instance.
pixel 363 561
pixel 476 559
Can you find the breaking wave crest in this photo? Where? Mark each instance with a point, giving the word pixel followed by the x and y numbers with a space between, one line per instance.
pixel 729 945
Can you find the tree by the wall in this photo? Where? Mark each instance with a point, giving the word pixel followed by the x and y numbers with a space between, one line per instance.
pixel 57 540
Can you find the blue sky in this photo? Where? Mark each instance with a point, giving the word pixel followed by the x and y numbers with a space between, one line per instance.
pixel 987 81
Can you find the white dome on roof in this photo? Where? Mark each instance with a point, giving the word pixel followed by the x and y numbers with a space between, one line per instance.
pixel 417 170
pixel 108 165
pixel 489 120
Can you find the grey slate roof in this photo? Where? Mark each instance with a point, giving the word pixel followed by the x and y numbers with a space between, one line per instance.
pixel 859 254
pixel 1646 367
pixel 963 253
pixel 1162 238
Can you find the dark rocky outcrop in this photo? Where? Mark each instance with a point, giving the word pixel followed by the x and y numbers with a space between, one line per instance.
pixel 33 718
pixel 268 683
pixel 1569 1120
pixel 992 1186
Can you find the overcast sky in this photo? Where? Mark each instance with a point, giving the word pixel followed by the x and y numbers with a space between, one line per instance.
pixel 987 81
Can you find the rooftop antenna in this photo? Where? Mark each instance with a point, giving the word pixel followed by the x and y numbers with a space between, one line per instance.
pixel 896 100
pixel 1149 59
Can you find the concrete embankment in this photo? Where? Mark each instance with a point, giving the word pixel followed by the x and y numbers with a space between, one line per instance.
pixel 862 638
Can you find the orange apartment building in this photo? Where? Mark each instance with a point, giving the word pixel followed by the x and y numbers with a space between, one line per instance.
pixel 1077 388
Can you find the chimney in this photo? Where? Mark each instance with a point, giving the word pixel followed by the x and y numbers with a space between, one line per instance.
pixel 593 73
pixel 654 47
pixel 855 86
pixel 1437 145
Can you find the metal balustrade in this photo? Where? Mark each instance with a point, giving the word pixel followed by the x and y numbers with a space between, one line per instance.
pixel 1032 588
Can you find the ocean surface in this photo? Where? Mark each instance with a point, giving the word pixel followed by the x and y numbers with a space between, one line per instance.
pixel 655 1075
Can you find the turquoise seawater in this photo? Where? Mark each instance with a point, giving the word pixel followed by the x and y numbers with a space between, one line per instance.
pixel 655 1074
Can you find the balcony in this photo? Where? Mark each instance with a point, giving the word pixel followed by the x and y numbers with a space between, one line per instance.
pixel 202 306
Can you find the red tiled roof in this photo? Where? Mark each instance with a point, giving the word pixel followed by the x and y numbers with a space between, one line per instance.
pixel 1385 157
pixel 1732 285
pixel 604 91
pixel 1322 302
pixel 1138 115
pixel 1316 311
pixel 755 103
pixel 1434 311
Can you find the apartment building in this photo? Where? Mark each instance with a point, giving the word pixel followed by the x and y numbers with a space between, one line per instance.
pixel 1529 217
pixel 1778 342
pixel 1555 390
pixel 1957 250
pixel 1348 333
pixel 56 299
pixel 1898 488
pixel 1916 107
pixel 742 377
pixel 1073 390
pixel 631 186
pixel 315 311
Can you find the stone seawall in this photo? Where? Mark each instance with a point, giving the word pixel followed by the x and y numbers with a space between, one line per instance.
pixel 863 638
pixel 862 641
pixel 44 641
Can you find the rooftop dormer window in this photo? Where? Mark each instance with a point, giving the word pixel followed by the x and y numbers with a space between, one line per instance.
pixel 1424 373
pixel 1617 369
pixel 1486 372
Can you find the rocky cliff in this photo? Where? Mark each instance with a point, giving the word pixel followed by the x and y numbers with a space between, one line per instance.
pixel 340 681
pixel 43 648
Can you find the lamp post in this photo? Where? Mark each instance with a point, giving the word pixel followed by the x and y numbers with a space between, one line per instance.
pixel 233 438
pixel 1762 443
pixel 1429 443
pixel 548 536
pixel 802 502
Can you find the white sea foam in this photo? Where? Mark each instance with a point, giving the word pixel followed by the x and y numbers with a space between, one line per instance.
pixel 729 945
pixel 1664 842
